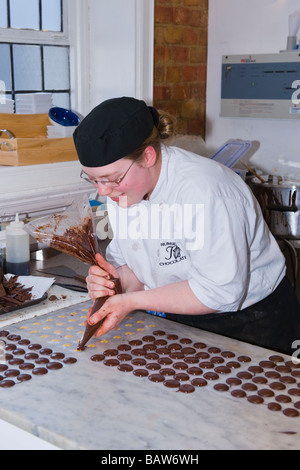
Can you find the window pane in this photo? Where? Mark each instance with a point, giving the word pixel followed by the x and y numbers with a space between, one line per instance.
pixel 56 68
pixel 3 14
pixel 25 14
pixel 51 15
pixel 5 66
pixel 27 67
pixel 62 100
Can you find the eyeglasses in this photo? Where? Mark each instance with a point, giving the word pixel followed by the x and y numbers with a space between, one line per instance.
pixel 113 184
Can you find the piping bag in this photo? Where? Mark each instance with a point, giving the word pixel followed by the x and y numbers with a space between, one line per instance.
pixel 73 232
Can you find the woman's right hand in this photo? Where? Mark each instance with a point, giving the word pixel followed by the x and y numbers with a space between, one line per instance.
pixel 98 279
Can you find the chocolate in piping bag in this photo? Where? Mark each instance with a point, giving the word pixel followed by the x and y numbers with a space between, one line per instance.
pixel 92 329
pixel 73 232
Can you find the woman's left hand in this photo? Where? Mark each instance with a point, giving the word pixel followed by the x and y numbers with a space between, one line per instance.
pixel 113 311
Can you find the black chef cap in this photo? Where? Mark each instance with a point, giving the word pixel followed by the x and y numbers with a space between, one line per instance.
pixel 113 130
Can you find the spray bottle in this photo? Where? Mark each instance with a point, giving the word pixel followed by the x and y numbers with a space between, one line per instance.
pixel 17 249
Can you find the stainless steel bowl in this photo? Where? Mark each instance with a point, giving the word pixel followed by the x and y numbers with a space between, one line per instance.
pixel 279 199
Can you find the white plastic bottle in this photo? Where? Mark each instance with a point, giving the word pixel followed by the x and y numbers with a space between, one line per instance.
pixel 17 249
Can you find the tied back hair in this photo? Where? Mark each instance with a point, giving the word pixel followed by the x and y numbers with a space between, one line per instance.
pixel 164 130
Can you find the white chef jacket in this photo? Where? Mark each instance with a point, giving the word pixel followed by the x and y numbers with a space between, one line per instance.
pixel 203 225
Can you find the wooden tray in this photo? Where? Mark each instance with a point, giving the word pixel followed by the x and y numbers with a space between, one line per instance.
pixel 30 145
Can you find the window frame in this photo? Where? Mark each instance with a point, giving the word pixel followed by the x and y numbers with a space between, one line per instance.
pixel 25 36
pixel 14 37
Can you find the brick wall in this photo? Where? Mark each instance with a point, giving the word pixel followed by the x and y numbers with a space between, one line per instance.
pixel 180 62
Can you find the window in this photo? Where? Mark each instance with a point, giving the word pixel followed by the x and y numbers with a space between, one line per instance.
pixel 35 49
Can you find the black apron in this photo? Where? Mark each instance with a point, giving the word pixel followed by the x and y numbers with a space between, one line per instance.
pixel 273 323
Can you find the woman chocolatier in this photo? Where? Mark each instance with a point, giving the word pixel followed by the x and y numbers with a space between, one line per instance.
pixel 189 237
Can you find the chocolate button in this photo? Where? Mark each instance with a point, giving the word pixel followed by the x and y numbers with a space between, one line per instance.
pixel 124 347
pixel 259 380
pixel 138 362
pixel 35 347
pixel 27 366
pixel 42 361
pixel 238 393
pixel 194 371
pixel 14 337
pixel 149 347
pixel 223 370
pixel 159 333
pixel 124 357
pixel 111 362
pixel 265 392
pixel 40 371
pixel 283 399
pixel 167 371
pixel 54 366
pixel 186 388
pixel 160 342
pixel 46 351
pixel 274 407
pixel 31 356
pixel 153 366
pixel 174 347
pixel 24 378
pixel 11 373
pixel 256 399
pixel 172 383
pixel 199 382
pixel 24 342
pixel 138 352
pixel 125 368
pixel 141 373
pixel 211 376
pixel 188 351
pixel 148 339
pixel 244 359
pixel 233 381
pixel 221 387
pixel 107 353
pixel 156 378
pixel 227 354
pixel 135 342
pixel 181 377
pixel 181 366
pixel 98 358
pixel 186 341
pixel 7 383
pixel 290 412
pixel 70 360
pixel 165 361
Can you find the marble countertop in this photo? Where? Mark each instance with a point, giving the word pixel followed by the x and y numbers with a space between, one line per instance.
pixel 88 405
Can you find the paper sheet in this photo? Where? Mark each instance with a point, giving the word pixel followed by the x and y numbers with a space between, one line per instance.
pixel 40 285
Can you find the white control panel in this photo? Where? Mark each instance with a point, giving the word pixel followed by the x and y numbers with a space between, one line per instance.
pixel 265 86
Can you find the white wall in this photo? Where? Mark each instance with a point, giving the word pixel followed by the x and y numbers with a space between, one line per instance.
pixel 250 27
pixel 112 53
pixel 113 50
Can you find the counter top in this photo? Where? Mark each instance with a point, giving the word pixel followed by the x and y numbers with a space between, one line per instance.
pixel 88 405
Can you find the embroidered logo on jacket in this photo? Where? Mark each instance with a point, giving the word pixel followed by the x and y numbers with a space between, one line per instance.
pixel 173 254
